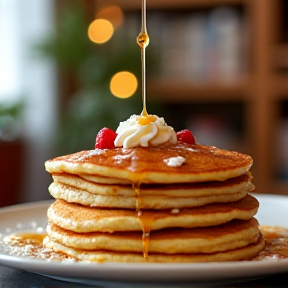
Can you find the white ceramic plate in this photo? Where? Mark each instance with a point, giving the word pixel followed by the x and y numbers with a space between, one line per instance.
pixel 273 211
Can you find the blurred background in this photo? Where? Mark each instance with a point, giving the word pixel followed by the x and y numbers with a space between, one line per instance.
pixel 216 67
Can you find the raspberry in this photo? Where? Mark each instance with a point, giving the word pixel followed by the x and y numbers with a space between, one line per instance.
pixel 105 139
pixel 186 136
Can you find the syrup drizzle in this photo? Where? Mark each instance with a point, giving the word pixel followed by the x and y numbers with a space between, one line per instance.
pixel 143 41
pixel 136 189
pixel 145 221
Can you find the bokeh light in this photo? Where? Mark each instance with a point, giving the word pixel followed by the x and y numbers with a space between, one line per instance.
pixel 100 31
pixel 112 13
pixel 123 84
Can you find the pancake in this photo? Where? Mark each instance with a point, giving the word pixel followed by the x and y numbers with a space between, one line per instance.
pixel 234 185
pixel 75 195
pixel 103 179
pixel 149 165
pixel 83 219
pixel 244 253
pixel 228 236
pixel 174 203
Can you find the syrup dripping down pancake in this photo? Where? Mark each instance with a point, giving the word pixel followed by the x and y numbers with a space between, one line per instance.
pixel 149 165
pixel 83 219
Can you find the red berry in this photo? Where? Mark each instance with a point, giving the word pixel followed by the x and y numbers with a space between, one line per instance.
pixel 186 136
pixel 105 139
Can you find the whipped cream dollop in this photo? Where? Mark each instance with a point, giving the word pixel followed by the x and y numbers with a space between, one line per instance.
pixel 144 131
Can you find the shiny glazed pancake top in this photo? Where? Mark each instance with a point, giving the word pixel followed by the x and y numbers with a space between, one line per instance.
pixel 156 165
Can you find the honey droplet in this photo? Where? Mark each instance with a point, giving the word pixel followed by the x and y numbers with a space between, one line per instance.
pixel 143 40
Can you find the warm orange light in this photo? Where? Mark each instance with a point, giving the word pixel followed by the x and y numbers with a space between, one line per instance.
pixel 100 31
pixel 113 14
pixel 123 84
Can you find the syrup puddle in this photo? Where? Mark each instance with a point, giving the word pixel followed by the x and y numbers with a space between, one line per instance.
pixel 28 243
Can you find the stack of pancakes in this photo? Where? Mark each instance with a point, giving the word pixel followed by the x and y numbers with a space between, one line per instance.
pixel 144 205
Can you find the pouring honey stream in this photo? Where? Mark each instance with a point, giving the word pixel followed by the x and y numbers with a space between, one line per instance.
pixel 143 41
